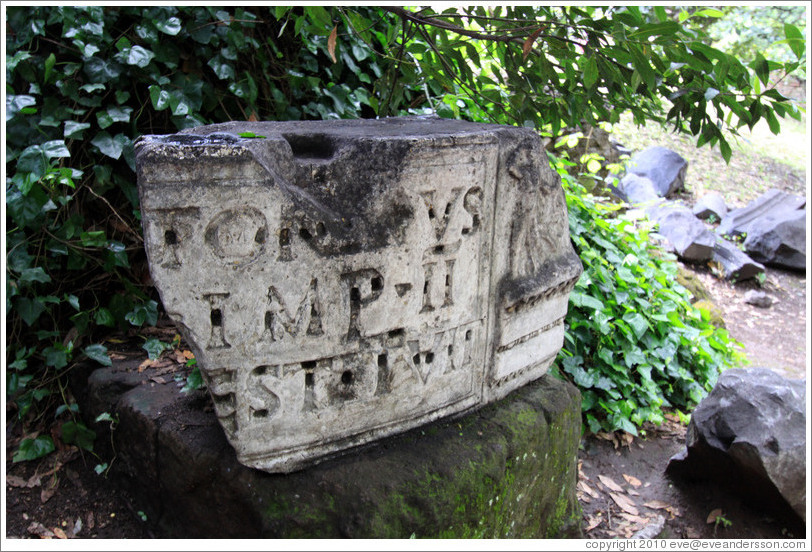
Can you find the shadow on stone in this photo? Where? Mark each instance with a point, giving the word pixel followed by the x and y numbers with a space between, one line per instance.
pixel 506 471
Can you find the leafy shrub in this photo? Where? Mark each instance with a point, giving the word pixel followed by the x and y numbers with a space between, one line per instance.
pixel 634 343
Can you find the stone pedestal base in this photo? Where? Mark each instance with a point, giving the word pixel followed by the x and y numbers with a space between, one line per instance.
pixel 508 470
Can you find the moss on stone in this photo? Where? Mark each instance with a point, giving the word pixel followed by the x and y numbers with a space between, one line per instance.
pixel 506 471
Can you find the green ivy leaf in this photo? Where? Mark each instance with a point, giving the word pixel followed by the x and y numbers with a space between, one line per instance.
pixel 171 26
pixel 92 87
pixel 637 322
pixel 28 309
pixel 96 238
pixel 75 129
pixel 56 356
pixel 144 313
pixel 138 56
pixel 112 115
pixel 154 347
pixel 158 97
pixel 55 148
pixel 104 317
pixel 31 449
pixel 194 381
pixel 36 274
pixel 109 145
pixel 16 103
pixel 76 433
pixel 98 352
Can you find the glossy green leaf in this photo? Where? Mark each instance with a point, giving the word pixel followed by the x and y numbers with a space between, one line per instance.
pixel 154 347
pixel 98 352
pixel 139 56
pixel 171 26
pixel 590 72
pixel 31 449
pixel 76 433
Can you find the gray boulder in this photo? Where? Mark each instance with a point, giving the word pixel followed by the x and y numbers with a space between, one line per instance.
pixel 758 299
pixel 665 168
pixel 736 265
pixel 750 432
pixel 636 189
pixel 710 204
pixel 779 239
pixel 691 239
pixel 739 221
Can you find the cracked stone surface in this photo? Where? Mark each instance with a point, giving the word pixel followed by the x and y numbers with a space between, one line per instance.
pixel 340 281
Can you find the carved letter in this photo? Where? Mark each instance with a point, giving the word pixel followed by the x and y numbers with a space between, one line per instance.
pixel 217 340
pixel 472 203
pixel 278 320
pixel 439 220
pixel 364 287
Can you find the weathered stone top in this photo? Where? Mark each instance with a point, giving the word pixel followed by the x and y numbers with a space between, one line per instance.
pixel 343 280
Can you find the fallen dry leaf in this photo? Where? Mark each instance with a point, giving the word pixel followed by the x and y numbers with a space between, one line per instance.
pixel 144 365
pixel 158 380
pixel 714 515
pixel 46 494
pixel 626 439
pixel 15 481
pixel 657 505
pixel 90 519
pixel 59 533
pixel 632 480
pixel 605 436
pixel 331 43
pixel 632 492
pixel 588 490
pixel 609 482
pixel 36 528
pixel 592 522
pixel 626 504
pixel 638 520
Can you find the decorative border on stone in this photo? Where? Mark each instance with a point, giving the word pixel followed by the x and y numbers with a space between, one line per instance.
pixel 564 287
pixel 513 375
pixel 530 336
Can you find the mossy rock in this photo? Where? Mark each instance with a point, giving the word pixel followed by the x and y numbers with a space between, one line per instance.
pixel 508 470
pixel 689 281
pixel 716 314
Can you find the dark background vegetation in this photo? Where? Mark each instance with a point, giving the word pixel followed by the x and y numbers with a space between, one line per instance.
pixel 83 83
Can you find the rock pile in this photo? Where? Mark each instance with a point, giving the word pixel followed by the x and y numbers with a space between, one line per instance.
pixel 772 227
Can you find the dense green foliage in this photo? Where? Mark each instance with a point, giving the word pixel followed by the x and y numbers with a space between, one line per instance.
pixel 83 83
pixel 634 345
pixel 747 30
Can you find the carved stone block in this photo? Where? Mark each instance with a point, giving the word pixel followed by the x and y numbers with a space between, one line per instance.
pixel 339 281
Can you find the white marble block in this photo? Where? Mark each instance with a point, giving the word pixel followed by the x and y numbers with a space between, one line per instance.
pixel 340 281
